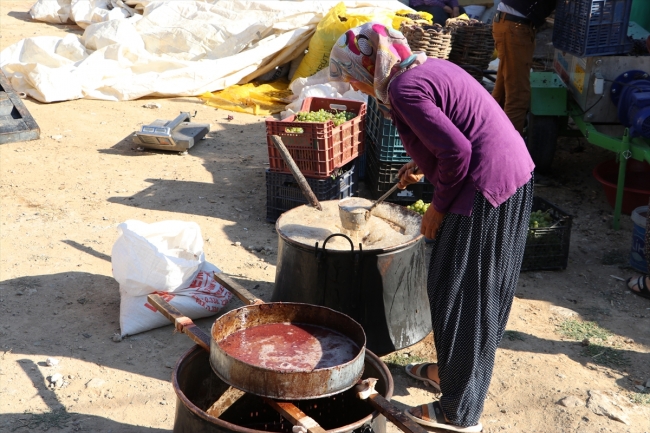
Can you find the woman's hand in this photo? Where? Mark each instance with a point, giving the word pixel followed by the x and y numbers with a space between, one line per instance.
pixel 431 221
pixel 408 175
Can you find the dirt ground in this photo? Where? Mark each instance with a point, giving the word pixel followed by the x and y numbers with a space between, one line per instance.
pixel 62 197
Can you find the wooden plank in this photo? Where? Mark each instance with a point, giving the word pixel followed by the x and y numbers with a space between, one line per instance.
pixel 295 415
pixel 227 399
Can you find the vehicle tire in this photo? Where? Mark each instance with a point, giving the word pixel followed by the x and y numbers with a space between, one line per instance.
pixel 541 138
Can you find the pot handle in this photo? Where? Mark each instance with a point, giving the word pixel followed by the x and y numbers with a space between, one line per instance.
pixel 333 235
pixel 182 323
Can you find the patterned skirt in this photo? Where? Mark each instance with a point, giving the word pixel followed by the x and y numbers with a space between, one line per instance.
pixel 473 273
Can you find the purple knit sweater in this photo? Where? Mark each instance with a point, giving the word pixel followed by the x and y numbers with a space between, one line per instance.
pixel 458 136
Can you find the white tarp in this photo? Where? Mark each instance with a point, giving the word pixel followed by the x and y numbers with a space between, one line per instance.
pixel 136 48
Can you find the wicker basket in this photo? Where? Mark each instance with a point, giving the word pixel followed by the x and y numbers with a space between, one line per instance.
pixel 433 40
pixel 472 46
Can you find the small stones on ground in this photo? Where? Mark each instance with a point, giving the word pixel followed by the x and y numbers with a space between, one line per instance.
pixel 640 387
pixel 237 244
pixel 585 342
pixel 56 137
pixel 56 379
pixel 563 312
pixel 52 362
pixel 600 404
pixel 152 105
pixel 571 401
pixel 95 382
pixel 629 341
pixel 86 335
pixel 116 337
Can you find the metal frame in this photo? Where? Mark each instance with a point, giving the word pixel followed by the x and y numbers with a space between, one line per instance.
pixel 625 146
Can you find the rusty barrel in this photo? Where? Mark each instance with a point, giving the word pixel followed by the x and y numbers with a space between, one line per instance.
pixel 197 388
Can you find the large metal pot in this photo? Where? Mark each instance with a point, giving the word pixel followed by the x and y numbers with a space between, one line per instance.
pixel 197 387
pixel 282 384
pixel 331 375
pixel 382 289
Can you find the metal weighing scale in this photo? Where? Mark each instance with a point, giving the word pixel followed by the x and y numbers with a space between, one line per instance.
pixel 177 135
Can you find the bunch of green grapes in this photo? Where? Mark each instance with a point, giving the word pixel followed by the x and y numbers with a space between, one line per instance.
pixel 419 206
pixel 539 219
pixel 321 116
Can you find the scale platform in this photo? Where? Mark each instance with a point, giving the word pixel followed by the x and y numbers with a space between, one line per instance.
pixel 177 135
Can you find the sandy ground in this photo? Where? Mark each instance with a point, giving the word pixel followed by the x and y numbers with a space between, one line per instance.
pixel 63 196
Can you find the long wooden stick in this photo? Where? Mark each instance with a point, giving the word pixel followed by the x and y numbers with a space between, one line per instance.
pixel 302 182
pixel 295 415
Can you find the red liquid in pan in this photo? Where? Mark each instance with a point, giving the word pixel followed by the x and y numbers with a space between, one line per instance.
pixel 290 347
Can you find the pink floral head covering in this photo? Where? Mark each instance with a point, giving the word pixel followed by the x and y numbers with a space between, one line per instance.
pixel 373 54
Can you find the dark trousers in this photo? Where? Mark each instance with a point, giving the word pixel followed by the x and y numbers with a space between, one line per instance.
pixel 439 14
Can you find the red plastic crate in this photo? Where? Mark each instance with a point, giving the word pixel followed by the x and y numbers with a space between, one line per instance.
pixel 322 147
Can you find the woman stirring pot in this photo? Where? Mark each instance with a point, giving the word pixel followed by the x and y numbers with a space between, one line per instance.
pixel 463 142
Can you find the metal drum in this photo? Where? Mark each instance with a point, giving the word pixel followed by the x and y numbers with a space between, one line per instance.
pixel 382 289
pixel 197 387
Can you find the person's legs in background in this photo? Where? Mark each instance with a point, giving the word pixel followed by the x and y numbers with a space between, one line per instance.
pixel 515 44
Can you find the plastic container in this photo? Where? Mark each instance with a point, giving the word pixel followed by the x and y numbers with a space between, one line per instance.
pixel 475 11
pixel 318 148
pixel 362 162
pixel 381 176
pixel 592 27
pixel 637 183
pixel 383 135
pixel 548 248
pixel 638 259
pixel 283 192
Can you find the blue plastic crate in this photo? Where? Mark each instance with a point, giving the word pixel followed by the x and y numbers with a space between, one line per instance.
pixel 383 136
pixel 381 177
pixel 283 192
pixel 592 27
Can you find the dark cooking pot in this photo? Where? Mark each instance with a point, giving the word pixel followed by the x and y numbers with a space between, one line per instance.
pixel 197 387
pixel 382 289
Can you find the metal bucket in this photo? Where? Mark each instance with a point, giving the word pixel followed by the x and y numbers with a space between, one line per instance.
pixel 197 387
pixel 382 289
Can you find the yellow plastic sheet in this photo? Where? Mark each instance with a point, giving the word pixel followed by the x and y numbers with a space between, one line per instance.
pixel 252 98
pixel 336 22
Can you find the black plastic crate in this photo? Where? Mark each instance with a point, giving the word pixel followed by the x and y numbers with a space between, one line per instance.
pixel 283 192
pixel 592 27
pixel 383 137
pixel 548 248
pixel 362 163
pixel 382 176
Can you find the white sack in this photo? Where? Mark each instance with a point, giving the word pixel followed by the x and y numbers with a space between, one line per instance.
pixel 160 257
pixel 203 297
pixel 175 48
pixel 318 85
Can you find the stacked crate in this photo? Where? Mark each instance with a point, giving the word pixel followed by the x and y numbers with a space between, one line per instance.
pixel 385 156
pixel 327 155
